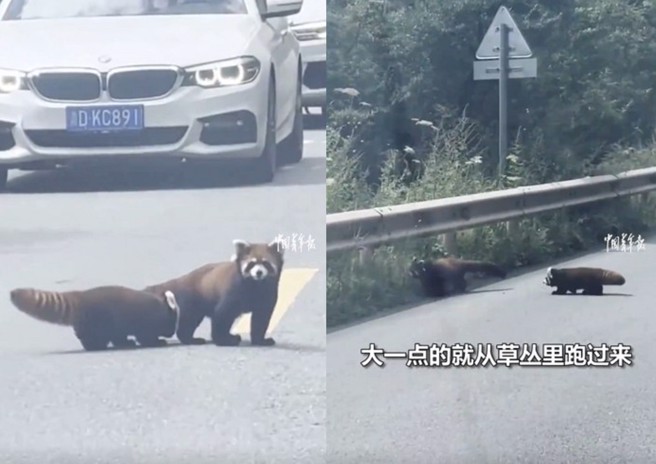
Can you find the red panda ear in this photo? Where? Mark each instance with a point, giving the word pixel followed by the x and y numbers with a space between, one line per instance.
pixel 241 246
pixel 277 247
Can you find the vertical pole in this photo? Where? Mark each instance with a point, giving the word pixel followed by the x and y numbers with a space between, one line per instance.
pixel 364 256
pixel 503 98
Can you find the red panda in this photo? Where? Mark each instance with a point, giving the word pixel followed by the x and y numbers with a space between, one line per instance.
pixel 591 280
pixel 103 315
pixel 446 276
pixel 248 283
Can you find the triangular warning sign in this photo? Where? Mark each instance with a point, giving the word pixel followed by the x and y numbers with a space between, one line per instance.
pixel 489 47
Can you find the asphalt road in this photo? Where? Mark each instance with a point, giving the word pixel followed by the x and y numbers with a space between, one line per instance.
pixel 478 415
pixel 201 404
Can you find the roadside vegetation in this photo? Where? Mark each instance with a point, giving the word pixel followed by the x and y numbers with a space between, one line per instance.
pixel 408 123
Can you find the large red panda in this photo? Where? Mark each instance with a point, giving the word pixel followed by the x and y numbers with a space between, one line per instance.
pixel 103 315
pixel 446 276
pixel 248 283
pixel 591 280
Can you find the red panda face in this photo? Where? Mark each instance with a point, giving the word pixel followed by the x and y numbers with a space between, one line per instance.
pixel 551 277
pixel 258 261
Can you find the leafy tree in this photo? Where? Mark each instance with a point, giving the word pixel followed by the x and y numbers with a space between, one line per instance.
pixel 413 59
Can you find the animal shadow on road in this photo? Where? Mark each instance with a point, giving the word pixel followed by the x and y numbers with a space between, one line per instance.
pixel 491 290
pixel 605 294
pixel 160 174
pixel 170 344
pixel 301 348
pixel 175 344
pixel 472 291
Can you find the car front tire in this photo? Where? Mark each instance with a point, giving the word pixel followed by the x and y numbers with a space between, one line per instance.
pixel 291 149
pixel 264 168
pixel 4 176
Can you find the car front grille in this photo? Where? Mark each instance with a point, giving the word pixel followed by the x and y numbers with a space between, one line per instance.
pixel 87 85
pixel 141 83
pixel 151 136
pixel 68 86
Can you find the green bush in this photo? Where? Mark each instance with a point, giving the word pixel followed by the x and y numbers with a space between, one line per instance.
pixel 451 168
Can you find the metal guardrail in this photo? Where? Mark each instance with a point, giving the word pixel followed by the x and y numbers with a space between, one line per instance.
pixel 379 226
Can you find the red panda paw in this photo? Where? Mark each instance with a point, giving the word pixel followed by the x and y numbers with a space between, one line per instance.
pixel 264 342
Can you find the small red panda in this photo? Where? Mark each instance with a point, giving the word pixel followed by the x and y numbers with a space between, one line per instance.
pixel 446 276
pixel 248 283
pixel 103 315
pixel 591 280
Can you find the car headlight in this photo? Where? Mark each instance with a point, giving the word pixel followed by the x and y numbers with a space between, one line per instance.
pixel 310 31
pixel 225 73
pixel 11 80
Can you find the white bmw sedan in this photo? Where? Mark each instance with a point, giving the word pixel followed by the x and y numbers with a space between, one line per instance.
pixel 178 80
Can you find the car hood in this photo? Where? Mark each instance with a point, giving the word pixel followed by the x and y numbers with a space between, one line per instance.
pixel 177 40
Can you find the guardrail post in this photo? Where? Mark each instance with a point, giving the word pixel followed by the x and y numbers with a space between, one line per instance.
pixel 450 243
pixel 512 227
pixel 644 197
pixel 364 255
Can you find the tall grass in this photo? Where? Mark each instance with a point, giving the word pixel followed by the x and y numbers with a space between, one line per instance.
pixel 453 160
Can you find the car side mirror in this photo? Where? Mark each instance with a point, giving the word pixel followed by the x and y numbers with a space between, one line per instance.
pixel 279 8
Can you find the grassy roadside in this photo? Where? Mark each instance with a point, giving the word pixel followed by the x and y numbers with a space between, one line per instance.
pixel 452 165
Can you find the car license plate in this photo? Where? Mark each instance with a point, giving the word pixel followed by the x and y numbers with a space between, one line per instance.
pixel 104 118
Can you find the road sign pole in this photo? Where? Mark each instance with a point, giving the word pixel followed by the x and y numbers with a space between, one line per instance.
pixel 504 54
pixel 503 97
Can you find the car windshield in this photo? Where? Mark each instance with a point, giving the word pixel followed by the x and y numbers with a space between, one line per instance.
pixel 56 9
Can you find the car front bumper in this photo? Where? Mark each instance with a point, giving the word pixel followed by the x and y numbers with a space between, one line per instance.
pixel 189 123
pixel 314 72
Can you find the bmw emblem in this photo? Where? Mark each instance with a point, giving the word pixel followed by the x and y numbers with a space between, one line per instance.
pixel 104 59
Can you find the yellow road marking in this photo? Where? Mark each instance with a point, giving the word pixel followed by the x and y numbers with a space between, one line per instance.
pixel 292 281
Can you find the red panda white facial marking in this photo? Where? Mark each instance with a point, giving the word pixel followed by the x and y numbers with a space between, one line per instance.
pixel 257 261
